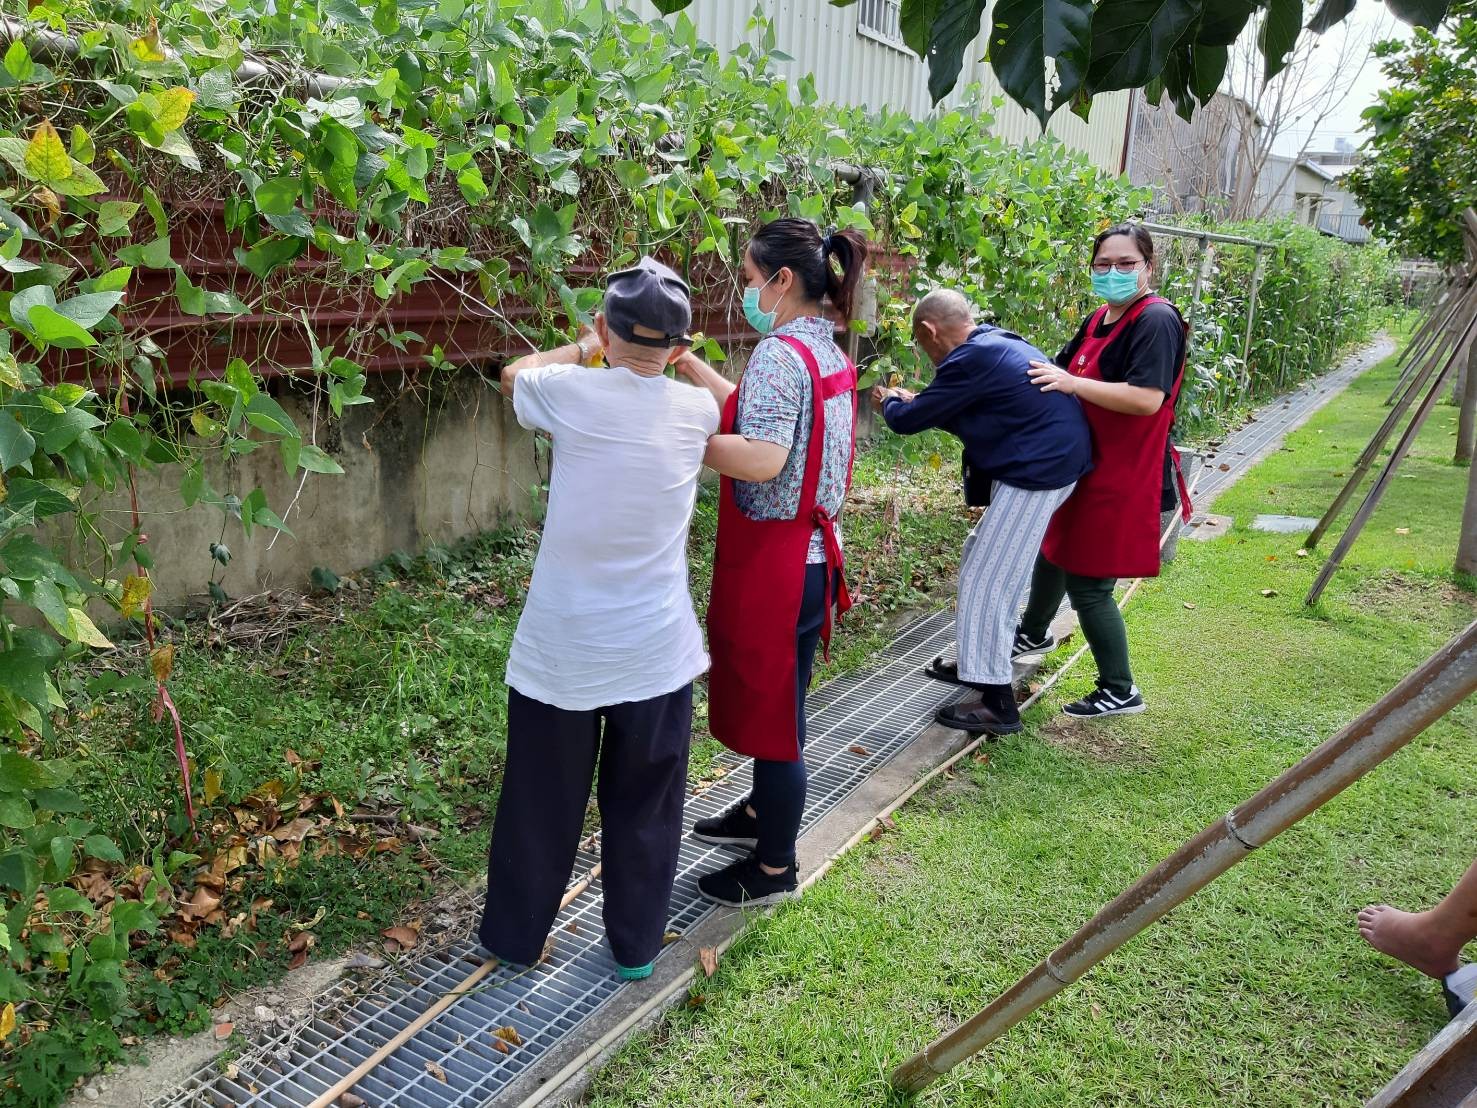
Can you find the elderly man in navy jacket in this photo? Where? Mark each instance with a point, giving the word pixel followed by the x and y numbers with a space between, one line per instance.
pixel 1024 451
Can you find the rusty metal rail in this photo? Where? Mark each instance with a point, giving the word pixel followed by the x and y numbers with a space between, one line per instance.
pixel 1446 679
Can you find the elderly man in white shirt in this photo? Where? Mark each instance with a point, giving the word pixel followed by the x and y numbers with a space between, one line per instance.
pixel 607 648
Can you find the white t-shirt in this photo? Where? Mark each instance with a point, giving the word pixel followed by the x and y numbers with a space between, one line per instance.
pixel 609 618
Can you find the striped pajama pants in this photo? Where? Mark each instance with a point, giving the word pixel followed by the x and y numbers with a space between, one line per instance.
pixel 994 573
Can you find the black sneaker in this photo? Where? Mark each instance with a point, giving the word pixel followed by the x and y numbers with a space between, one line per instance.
pixel 734 827
pixel 745 885
pixel 1101 702
pixel 1026 647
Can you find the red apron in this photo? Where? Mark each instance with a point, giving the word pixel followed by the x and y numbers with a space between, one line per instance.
pixel 758 585
pixel 1109 526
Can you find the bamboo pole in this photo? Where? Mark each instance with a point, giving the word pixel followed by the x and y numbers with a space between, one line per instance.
pixel 1440 339
pixel 1387 475
pixel 1372 449
pixel 1446 679
pixel 461 989
pixel 1439 336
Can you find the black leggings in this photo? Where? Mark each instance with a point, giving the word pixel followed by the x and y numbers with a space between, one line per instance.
pixel 778 797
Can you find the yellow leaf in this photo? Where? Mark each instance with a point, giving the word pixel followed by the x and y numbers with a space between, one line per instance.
pixel 7 1022
pixel 146 49
pixel 51 202
pixel 174 108
pixel 83 630
pixel 204 426
pixel 161 661
pixel 135 591
pixel 10 372
pixel 935 461
pixel 4 492
pixel 212 785
pixel 46 158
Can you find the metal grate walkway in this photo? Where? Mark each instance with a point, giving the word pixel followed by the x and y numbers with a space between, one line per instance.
pixel 857 722
pixel 878 710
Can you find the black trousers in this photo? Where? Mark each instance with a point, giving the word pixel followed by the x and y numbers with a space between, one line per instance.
pixel 778 796
pixel 641 749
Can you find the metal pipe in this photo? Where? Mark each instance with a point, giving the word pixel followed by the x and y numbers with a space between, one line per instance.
pixel 1446 679
pixel 1256 283
pixel 1207 236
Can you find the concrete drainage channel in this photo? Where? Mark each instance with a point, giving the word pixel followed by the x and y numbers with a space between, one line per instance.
pixel 858 723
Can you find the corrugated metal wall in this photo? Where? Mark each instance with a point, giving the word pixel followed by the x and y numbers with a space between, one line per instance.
pixel 852 68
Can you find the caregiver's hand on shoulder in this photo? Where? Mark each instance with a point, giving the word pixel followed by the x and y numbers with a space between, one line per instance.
pixel 1052 378
pixel 690 366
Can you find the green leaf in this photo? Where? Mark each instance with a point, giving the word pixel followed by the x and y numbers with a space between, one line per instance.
pixel 151 255
pixel 81 144
pixel 1280 29
pixel 16 443
pixel 955 27
pixel 1207 67
pixel 18 871
pixel 18 772
pixel 123 436
pixel 278 195
pixel 57 330
pixel 265 413
pixel 129 916
pixel 1132 40
pixel 81 629
pixel 16 811
pixel 315 461
pixel 217 88
pixel 1224 20
pixel 114 280
pixel 194 300
pixel 102 848
pixel 64 898
pixel 18 62
pixel 114 216
pixel 270 253
pixel 1027 32
pixel 1330 14
pixel 59 800
pixel 89 309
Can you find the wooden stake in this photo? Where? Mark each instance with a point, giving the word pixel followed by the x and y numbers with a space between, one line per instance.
pixel 1440 684
pixel 1421 375
pixel 1377 491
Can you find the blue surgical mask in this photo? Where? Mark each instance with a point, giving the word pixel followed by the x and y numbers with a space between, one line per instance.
pixel 761 321
pixel 1115 287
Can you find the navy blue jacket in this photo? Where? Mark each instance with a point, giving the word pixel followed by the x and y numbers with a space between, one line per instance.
pixel 1011 430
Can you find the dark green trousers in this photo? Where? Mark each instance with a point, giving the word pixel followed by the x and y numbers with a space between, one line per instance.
pixel 1101 621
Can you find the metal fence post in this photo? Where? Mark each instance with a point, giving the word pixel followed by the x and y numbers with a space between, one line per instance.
pixel 1256 283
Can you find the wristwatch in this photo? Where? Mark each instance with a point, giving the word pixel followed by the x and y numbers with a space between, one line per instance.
pixel 585 352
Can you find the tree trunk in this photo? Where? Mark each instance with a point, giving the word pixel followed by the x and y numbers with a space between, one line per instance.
pixel 1466 551
pixel 1466 424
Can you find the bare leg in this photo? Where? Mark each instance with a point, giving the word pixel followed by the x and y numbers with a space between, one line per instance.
pixel 1429 941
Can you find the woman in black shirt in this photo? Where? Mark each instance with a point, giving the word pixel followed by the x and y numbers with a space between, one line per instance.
pixel 1125 366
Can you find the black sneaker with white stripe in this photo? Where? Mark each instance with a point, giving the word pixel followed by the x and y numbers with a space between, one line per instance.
pixel 1102 702
pixel 1025 646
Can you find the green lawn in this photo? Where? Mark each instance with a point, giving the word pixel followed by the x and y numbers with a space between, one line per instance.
pixel 1259 991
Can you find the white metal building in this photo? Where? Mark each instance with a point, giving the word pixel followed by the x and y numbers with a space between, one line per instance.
pixel 857 57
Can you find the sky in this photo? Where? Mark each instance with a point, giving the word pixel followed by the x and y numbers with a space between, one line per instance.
pixel 1370 22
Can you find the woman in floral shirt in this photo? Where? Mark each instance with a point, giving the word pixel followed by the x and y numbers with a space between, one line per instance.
pixel 785 449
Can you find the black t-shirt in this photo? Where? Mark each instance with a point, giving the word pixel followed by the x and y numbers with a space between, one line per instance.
pixel 1147 351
